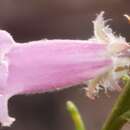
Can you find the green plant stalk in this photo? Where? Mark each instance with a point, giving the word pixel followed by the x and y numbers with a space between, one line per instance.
pixel 75 115
pixel 122 105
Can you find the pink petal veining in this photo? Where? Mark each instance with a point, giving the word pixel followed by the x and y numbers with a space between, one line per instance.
pixel 46 65
pixel 54 64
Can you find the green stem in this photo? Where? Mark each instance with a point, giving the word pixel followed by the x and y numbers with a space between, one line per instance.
pixel 122 105
pixel 75 115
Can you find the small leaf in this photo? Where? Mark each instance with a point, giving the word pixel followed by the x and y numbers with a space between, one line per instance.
pixel 126 116
pixel 75 115
pixel 125 78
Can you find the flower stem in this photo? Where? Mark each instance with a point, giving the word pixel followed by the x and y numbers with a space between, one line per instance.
pixel 75 115
pixel 117 119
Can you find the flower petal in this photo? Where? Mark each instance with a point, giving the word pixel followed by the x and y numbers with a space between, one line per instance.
pixel 51 64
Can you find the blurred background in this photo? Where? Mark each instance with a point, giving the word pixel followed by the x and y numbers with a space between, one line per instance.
pixel 30 20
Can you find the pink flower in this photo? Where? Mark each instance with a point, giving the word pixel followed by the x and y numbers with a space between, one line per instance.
pixel 47 65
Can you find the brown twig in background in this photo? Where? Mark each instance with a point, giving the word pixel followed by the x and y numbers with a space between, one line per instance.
pixel 128 17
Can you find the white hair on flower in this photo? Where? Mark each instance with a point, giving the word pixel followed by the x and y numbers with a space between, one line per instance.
pixel 116 46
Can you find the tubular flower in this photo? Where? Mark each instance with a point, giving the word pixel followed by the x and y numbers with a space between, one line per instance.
pixel 46 65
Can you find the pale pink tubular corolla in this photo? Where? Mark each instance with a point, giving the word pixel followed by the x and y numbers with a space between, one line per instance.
pixel 46 65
